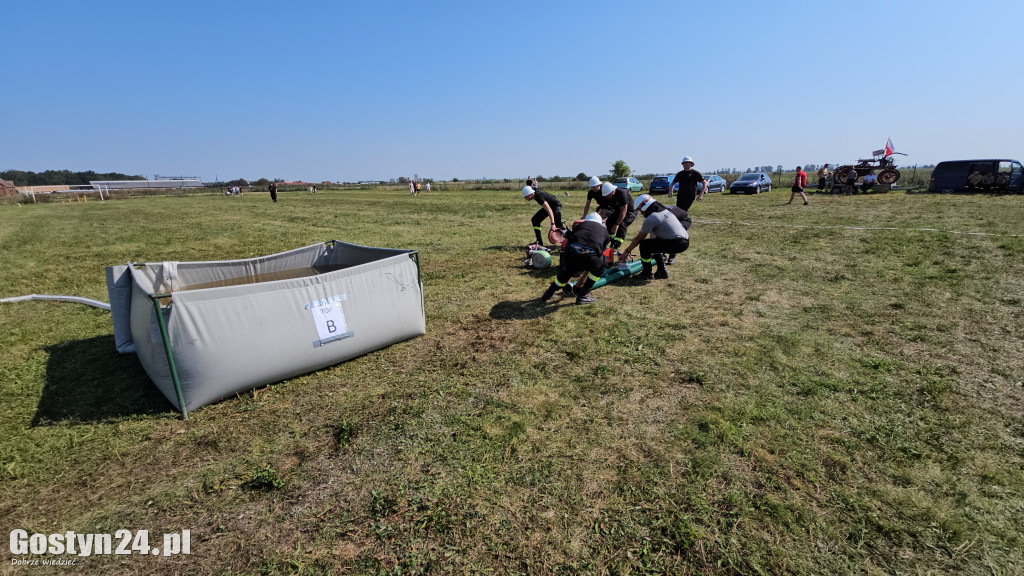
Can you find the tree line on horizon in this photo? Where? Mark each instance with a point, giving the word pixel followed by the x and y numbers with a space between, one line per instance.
pixel 61 177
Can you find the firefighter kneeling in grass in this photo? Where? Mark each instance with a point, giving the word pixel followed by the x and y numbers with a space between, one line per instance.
pixel 668 233
pixel 583 251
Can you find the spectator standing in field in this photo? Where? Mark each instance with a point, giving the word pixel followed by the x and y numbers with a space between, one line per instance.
pixel 851 180
pixel 869 181
pixel 428 187
pixel 823 177
pixel 273 192
pixel 550 207
pixel 798 185
pixel 417 187
pixel 668 235
pixel 689 180
pixel 412 189
pixel 583 253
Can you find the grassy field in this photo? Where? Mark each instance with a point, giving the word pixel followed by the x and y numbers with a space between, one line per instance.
pixel 802 396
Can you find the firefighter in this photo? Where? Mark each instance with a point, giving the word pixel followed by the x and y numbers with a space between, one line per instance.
pixel 668 235
pixel 550 207
pixel 682 215
pixel 593 194
pixel 619 213
pixel 583 252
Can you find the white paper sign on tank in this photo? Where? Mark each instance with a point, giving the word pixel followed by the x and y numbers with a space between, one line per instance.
pixel 330 320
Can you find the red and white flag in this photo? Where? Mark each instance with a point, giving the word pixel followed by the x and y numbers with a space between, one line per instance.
pixel 889 148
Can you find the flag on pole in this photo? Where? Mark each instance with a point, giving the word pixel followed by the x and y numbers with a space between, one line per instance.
pixel 889 148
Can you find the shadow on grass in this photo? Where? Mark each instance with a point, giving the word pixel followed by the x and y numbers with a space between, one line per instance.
pixel 546 273
pixel 88 381
pixel 528 309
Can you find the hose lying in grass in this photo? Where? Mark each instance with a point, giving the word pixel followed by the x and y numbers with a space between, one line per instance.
pixel 75 299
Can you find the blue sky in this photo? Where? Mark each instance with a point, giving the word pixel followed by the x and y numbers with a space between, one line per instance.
pixel 349 91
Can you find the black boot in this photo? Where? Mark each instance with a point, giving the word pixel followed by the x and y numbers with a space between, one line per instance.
pixel 662 273
pixel 549 292
pixel 583 292
pixel 645 273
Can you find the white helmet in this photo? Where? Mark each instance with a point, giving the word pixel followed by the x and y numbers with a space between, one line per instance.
pixel 594 217
pixel 650 202
pixel 527 190
pixel 595 181
pixel 607 188
pixel 687 159
pixel 640 200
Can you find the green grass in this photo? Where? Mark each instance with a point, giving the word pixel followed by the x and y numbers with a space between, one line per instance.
pixel 798 398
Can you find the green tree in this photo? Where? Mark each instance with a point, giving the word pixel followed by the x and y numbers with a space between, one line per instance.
pixel 620 169
pixel 582 176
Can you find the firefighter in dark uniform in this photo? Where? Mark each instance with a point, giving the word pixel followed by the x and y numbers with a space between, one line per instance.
pixel 550 207
pixel 584 251
pixel 594 193
pixel 668 235
pixel 617 204
pixel 689 181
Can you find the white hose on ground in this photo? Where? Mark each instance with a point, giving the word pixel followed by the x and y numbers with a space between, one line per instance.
pixel 75 299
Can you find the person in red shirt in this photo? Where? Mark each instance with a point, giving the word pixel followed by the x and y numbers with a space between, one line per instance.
pixel 799 185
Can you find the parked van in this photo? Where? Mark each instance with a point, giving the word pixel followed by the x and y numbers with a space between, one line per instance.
pixel 998 176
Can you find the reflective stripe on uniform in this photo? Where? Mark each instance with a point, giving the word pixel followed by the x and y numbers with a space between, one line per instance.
pixel 559 284
pixel 594 278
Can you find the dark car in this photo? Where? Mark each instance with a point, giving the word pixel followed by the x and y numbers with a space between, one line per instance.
pixel 752 182
pixel 977 176
pixel 660 184
pixel 716 183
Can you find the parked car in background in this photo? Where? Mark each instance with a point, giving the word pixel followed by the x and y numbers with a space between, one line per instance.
pixel 997 176
pixel 755 182
pixel 660 184
pixel 715 183
pixel 629 183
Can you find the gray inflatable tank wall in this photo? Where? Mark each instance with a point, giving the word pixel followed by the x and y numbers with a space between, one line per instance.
pixel 230 329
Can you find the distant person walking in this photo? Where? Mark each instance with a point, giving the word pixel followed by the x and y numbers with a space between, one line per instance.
pixel 416 185
pixel 412 189
pixel 689 180
pixel 428 187
pixel 798 185
pixel 273 192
